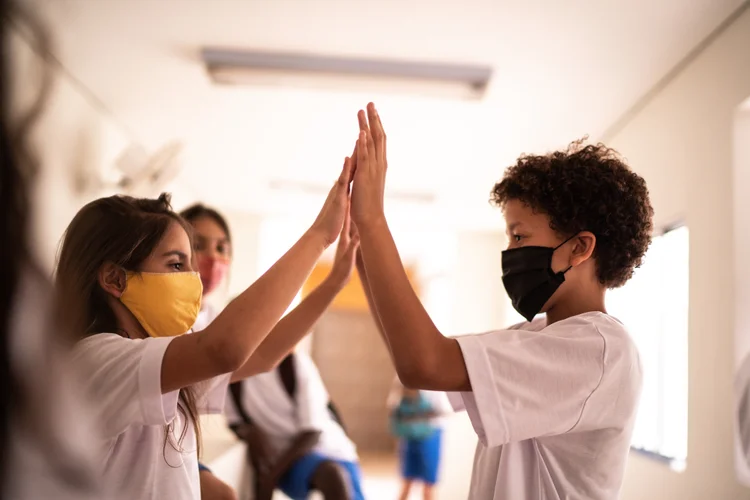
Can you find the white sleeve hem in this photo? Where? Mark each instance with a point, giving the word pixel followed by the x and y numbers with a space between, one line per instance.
pixel 157 408
pixel 489 411
pixel 213 400
pixel 456 400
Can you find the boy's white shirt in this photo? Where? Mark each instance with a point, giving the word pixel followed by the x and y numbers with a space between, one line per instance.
pixel 553 407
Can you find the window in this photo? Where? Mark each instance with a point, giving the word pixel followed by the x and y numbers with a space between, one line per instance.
pixel 654 307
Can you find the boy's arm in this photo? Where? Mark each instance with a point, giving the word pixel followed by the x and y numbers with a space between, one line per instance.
pixel 424 358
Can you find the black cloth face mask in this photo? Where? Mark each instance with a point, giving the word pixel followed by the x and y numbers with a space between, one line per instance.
pixel 529 279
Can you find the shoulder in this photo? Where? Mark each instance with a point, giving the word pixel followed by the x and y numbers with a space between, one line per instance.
pixel 111 348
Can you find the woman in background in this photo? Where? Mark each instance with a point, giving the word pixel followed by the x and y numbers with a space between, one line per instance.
pixel 311 450
pixel 212 243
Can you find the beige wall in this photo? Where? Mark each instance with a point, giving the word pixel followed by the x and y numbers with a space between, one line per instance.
pixel 682 143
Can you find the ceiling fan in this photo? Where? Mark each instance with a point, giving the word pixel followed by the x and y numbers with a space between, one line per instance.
pixel 138 172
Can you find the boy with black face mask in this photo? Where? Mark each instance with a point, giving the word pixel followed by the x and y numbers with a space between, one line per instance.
pixel 553 401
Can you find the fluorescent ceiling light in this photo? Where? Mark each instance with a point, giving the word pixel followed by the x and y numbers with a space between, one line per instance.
pixel 241 67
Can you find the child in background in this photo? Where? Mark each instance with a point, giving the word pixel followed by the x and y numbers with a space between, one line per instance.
pixel 416 420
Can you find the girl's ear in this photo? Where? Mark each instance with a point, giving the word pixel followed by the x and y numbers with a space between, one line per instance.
pixel 112 279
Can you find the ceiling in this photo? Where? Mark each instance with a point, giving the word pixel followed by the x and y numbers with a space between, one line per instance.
pixel 561 70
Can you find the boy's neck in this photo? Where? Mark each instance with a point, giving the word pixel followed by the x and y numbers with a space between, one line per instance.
pixel 580 304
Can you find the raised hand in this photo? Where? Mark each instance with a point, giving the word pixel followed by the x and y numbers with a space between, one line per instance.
pixel 346 251
pixel 371 166
pixel 336 207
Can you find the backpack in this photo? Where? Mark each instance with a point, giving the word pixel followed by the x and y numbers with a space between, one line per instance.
pixel 288 374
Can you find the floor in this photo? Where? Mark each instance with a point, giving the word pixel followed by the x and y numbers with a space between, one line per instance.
pixel 381 480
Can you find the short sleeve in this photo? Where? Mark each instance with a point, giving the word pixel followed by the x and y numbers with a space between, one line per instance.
pixel 528 384
pixel 311 396
pixel 124 381
pixel 212 394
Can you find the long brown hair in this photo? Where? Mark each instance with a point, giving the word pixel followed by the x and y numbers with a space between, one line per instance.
pixel 124 231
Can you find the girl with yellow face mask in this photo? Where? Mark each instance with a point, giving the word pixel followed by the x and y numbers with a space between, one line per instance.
pixel 212 246
pixel 128 263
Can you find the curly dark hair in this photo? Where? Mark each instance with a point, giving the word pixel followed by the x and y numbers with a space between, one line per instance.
pixel 587 188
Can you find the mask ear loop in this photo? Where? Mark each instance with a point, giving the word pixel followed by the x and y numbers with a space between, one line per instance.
pixel 563 273
pixel 564 242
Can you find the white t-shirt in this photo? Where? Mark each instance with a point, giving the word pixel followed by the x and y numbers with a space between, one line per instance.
pixel 52 450
pixel 554 408
pixel 438 401
pixel 125 380
pixel 267 403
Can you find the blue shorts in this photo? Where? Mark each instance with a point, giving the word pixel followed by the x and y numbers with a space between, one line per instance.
pixel 202 468
pixel 420 458
pixel 295 483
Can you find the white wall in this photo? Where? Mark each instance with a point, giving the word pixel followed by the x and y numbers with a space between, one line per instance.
pixel 72 138
pixel 479 305
pixel 682 143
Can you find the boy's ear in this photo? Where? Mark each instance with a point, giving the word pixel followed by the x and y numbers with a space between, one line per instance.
pixel 583 249
pixel 112 279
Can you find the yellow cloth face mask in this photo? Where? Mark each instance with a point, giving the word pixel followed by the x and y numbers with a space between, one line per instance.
pixel 165 304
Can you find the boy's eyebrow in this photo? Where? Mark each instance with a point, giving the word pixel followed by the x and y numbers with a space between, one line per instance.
pixel 513 226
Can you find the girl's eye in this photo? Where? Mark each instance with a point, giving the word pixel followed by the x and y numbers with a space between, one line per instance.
pixel 222 249
pixel 177 266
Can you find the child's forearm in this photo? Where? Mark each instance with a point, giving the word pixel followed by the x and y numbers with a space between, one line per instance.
pixel 289 331
pixel 423 357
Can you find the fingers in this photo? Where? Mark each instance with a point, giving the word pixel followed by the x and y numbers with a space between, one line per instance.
pixel 353 247
pixel 353 232
pixel 346 228
pixel 347 173
pixel 362 121
pixel 377 131
pixel 362 156
pixel 354 159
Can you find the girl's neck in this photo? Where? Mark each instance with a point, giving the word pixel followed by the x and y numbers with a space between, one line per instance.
pixel 126 323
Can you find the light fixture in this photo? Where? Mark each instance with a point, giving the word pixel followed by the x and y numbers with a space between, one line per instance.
pixel 278 69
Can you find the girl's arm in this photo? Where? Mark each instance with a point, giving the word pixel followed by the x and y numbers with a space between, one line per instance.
pixel 229 341
pixel 298 323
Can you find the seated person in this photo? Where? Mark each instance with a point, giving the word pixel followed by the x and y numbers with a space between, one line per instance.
pixel 295 442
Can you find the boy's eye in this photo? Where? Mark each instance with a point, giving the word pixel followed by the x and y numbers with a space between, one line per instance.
pixel 517 238
pixel 177 266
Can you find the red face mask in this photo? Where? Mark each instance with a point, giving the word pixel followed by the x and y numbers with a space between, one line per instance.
pixel 212 272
